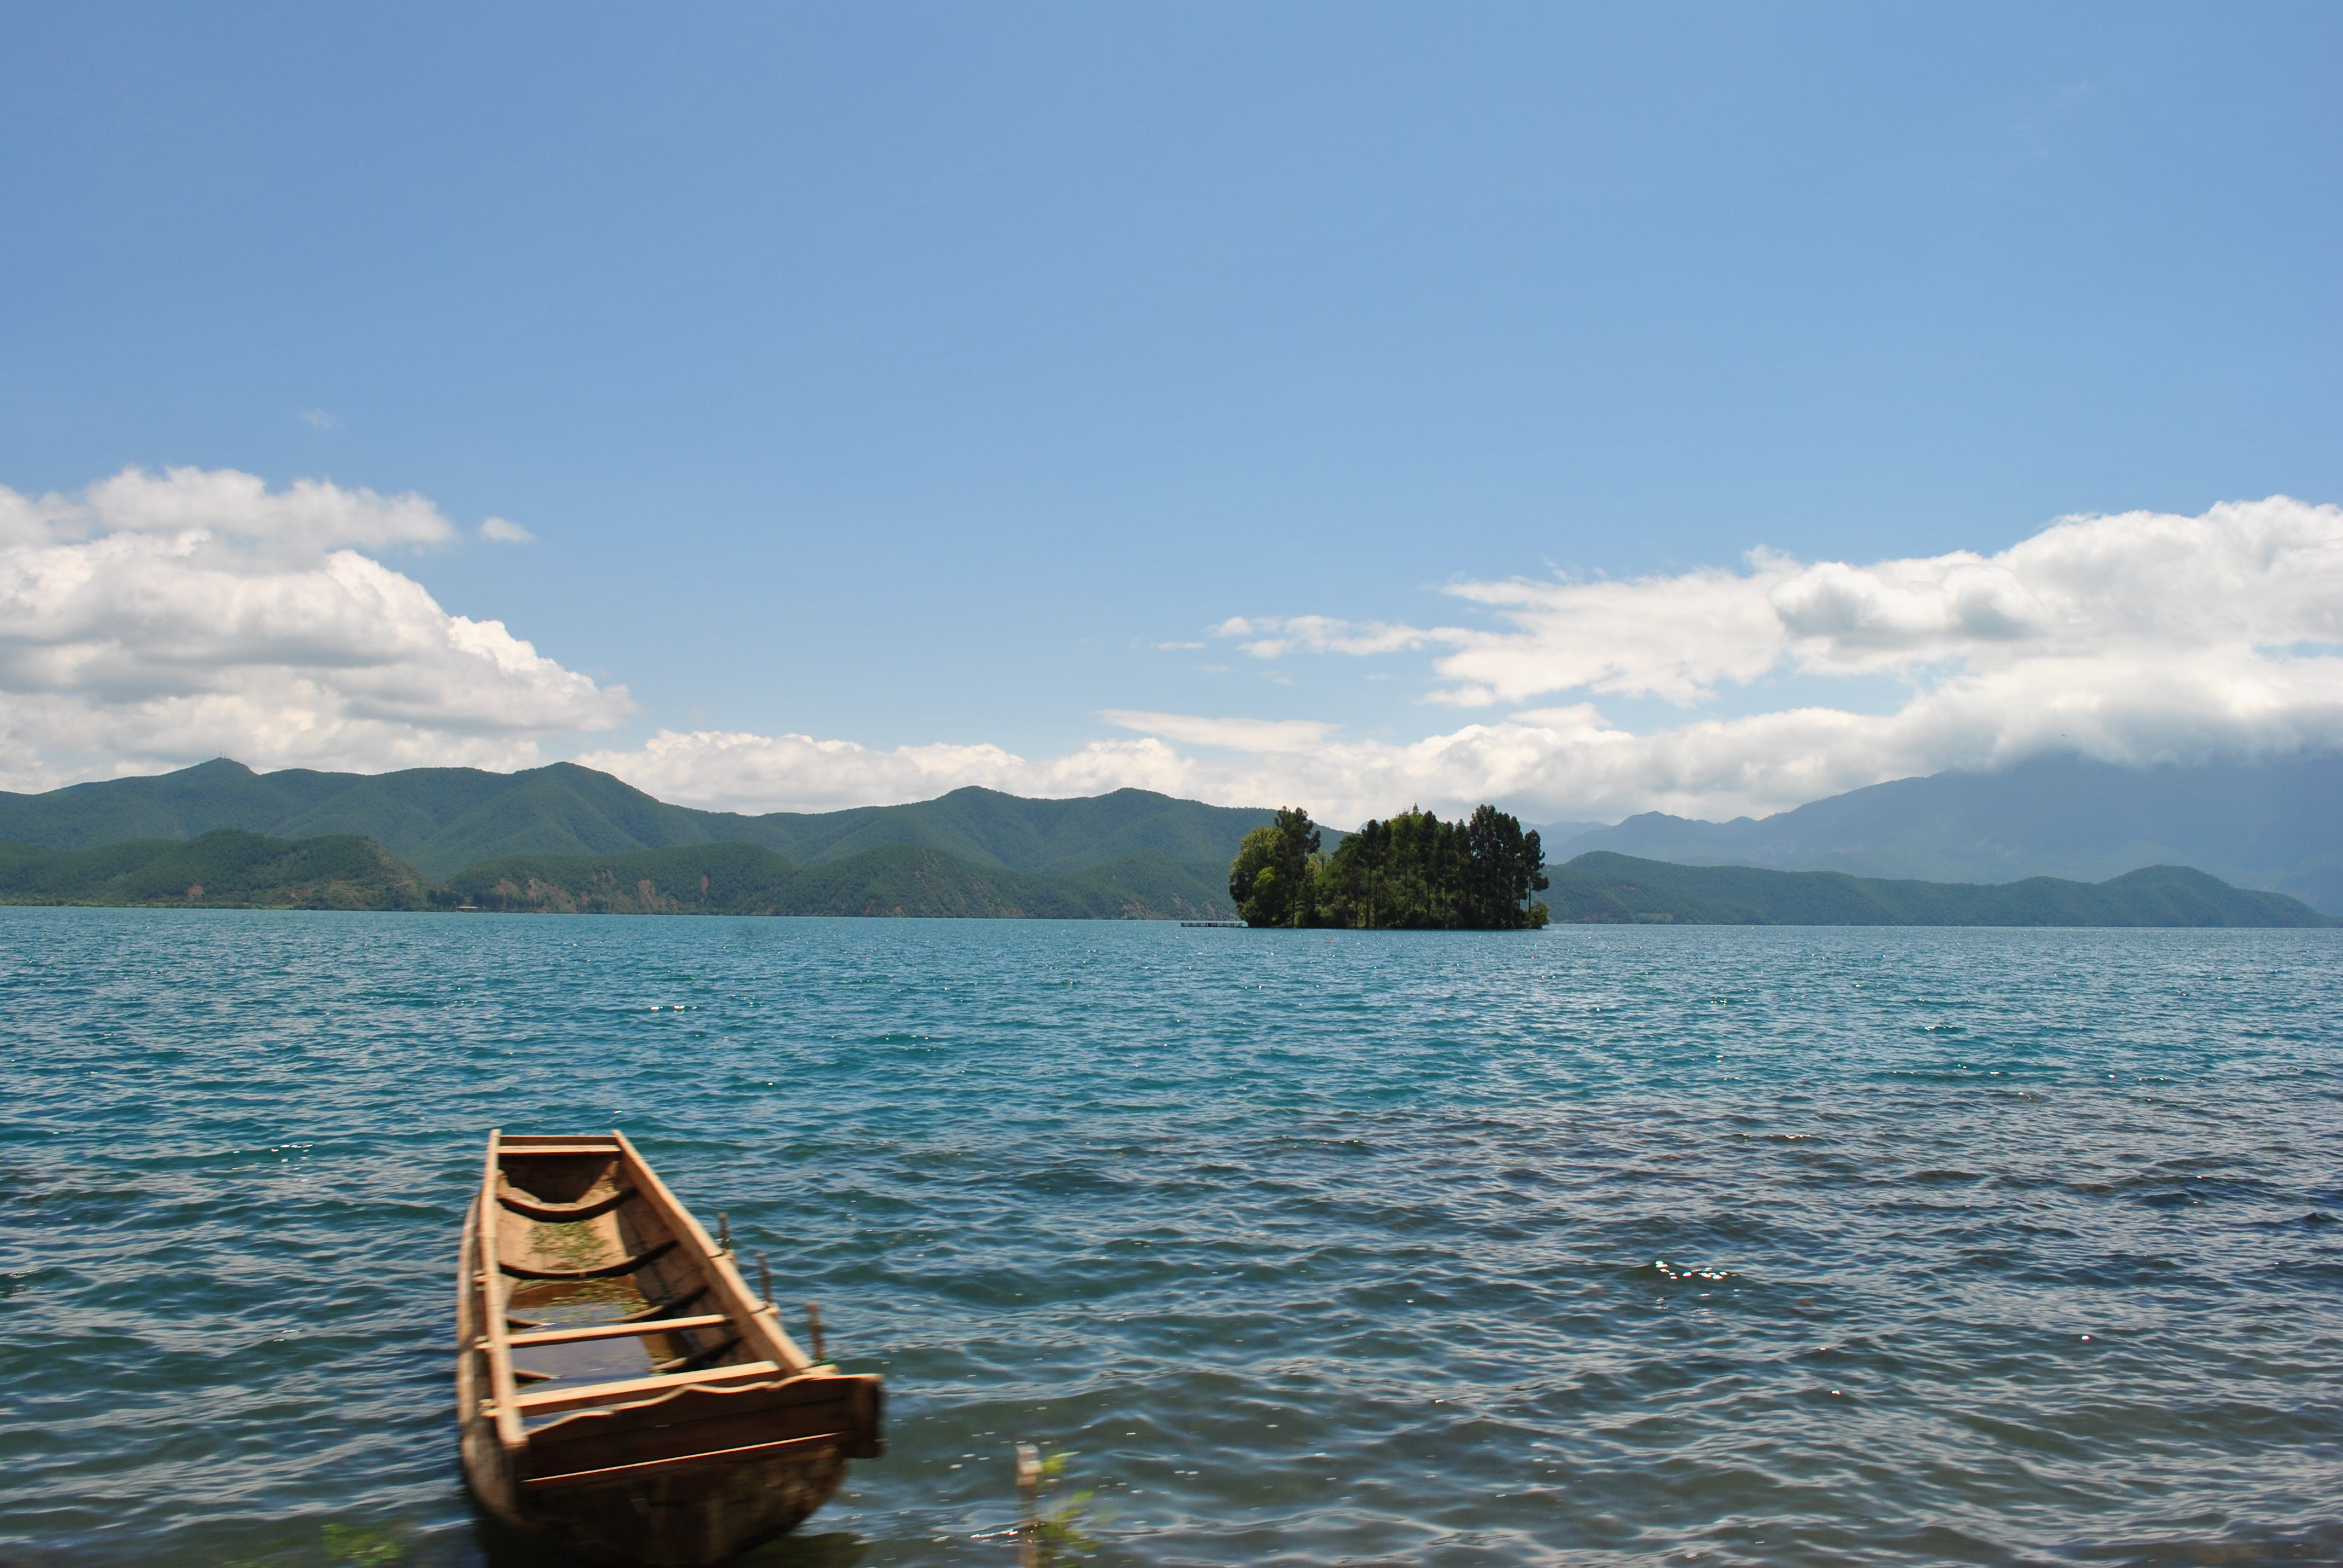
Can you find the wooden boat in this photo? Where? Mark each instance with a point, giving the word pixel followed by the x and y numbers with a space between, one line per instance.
pixel 618 1387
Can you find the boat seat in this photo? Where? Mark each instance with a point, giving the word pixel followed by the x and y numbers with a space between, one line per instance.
pixel 565 1213
pixel 625 1328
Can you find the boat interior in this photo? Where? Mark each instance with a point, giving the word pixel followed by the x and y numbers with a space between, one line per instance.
pixel 596 1297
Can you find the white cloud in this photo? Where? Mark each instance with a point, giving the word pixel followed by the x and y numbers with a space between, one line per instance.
pixel 153 621
pixel 2107 592
pixel 2265 573
pixel 228 508
pixel 317 419
pixel 499 531
pixel 1274 638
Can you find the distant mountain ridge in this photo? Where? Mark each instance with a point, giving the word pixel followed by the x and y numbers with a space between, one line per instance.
pixel 443 819
pixel 2276 826
pixel 1603 888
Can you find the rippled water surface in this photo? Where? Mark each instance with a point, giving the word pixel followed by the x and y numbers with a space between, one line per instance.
pixel 1587 1246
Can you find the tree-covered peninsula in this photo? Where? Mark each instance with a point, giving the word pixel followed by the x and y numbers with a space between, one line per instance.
pixel 1413 872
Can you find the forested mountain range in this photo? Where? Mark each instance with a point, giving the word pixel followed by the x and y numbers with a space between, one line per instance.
pixel 2272 827
pixel 231 868
pixel 443 819
pixel 2275 824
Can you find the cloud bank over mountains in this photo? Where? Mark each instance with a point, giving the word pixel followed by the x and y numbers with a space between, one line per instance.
pixel 2137 639
pixel 155 619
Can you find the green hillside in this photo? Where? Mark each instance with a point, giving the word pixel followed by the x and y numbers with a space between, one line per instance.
pixel 225 869
pixel 894 880
pixel 912 880
pixel 689 880
pixel 442 820
pixel 988 827
pixel 1604 888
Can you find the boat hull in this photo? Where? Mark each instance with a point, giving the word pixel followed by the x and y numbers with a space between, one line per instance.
pixel 726 1436
pixel 684 1518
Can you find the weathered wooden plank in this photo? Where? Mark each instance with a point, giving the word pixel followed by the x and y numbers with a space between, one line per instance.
pixel 758 1320
pixel 630 1389
pixel 617 1330
pixel 503 1389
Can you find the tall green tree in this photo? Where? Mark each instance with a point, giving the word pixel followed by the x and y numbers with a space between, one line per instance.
pixel 1270 880
pixel 1502 867
pixel 1416 872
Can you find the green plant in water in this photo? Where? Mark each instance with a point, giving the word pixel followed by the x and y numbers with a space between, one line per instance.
pixel 366 1545
pixel 1056 1533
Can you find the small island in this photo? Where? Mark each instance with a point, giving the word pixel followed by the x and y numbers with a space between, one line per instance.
pixel 1411 873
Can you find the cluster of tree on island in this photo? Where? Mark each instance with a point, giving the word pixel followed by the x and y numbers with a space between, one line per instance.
pixel 1413 872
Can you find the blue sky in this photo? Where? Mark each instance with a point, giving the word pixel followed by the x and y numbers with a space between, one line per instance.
pixel 923 376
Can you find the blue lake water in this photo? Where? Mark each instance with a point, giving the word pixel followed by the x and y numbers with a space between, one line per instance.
pixel 1590 1246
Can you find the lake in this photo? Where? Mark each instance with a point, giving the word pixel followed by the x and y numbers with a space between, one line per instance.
pixel 1591 1245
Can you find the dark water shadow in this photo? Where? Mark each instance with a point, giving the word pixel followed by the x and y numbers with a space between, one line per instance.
pixel 831 1549
pixel 2321 1543
pixel 500 1546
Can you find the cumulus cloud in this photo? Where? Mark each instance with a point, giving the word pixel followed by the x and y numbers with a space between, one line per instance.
pixel 229 508
pixel 155 619
pixel 2138 638
pixel 500 531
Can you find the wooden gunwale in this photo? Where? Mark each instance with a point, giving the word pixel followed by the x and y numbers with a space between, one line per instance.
pixel 760 1322
pixel 504 1395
